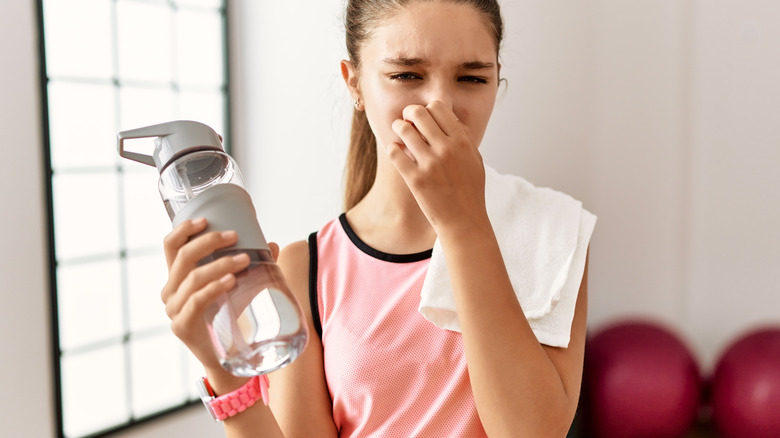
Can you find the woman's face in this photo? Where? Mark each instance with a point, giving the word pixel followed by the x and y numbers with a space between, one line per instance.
pixel 429 51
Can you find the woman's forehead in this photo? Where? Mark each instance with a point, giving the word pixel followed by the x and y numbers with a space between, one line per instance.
pixel 433 31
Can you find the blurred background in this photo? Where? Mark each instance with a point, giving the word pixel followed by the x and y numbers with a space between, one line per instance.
pixel 662 116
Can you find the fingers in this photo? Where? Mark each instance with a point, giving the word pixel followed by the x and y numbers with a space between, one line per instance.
pixel 185 315
pixel 199 248
pixel 426 129
pixel 401 158
pixel 179 236
pixel 413 145
pixel 204 283
pixel 274 250
pixel 445 119
pixel 187 256
pixel 434 121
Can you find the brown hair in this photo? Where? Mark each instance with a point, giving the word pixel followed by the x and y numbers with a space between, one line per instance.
pixel 361 17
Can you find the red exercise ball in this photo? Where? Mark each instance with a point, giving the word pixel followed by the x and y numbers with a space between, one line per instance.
pixel 639 381
pixel 746 387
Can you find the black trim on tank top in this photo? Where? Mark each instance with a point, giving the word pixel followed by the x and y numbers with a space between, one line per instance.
pixel 393 258
pixel 313 302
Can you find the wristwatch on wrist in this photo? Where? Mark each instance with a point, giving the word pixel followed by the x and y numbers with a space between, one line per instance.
pixel 230 404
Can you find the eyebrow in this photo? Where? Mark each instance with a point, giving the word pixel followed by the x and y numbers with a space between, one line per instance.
pixel 477 65
pixel 403 61
pixel 413 62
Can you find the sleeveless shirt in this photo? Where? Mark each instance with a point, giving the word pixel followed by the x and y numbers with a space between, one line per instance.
pixel 389 371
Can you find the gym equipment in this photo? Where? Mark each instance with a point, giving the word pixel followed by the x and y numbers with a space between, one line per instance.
pixel 745 386
pixel 640 380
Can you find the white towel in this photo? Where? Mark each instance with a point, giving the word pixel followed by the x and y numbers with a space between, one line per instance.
pixel 543 236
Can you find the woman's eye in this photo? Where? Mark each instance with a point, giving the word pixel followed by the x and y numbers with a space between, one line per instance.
pixel 404 77
pixel 473 79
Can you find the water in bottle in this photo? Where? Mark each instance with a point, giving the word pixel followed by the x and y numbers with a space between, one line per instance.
pixel 257 326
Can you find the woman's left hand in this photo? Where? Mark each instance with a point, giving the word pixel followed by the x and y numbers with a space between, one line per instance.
pixel 441 164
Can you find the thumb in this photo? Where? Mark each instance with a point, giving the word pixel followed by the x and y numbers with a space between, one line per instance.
pixel 274 250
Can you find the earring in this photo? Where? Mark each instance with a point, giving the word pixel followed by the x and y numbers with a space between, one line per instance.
pixel 358 107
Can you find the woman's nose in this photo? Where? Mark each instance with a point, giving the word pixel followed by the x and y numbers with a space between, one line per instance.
pixel 442 92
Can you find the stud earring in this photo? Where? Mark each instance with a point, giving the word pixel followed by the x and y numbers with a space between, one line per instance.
pixel 357 105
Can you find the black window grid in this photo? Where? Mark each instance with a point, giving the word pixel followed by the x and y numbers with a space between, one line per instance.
pixel 124 253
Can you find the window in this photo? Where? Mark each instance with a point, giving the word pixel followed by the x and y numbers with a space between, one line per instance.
pixel 112 65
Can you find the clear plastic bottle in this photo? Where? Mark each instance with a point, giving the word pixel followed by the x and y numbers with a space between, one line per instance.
pixel 256 327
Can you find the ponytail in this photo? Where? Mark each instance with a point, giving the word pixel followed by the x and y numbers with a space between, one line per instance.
pixel 360 169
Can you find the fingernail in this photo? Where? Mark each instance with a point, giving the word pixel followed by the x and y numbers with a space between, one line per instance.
pixel 227 235
pixel 199 221
pixel 227 278
pixel 240 258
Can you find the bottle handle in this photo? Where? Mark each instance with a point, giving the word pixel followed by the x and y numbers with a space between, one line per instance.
pixel 159 130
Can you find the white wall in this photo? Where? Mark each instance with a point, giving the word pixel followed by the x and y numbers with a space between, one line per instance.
pixel 594 108
pixel 733 227
pixel 290 111
pixel 25 362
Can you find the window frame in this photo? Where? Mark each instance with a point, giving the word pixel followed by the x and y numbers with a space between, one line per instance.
pixel 48 175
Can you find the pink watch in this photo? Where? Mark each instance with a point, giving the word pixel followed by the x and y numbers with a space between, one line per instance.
pixel 235 402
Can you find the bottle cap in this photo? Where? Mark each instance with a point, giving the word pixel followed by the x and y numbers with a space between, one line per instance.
pixel 173 140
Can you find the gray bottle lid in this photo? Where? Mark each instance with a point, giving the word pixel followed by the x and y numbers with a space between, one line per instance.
pixel 174 139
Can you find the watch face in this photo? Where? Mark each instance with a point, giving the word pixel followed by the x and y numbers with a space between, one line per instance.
pixel 206 397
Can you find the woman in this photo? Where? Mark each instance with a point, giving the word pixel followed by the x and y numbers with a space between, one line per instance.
pixel 424 77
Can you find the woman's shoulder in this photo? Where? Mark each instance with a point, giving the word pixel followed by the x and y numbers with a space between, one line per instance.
pixel 294 263
pixel 294 254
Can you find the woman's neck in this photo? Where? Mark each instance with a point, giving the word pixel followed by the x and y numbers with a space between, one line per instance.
pixel 389 219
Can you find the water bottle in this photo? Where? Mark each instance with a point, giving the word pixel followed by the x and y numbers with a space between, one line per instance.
pixel 257 326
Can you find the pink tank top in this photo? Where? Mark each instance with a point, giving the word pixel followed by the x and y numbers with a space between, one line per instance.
pixel 390 372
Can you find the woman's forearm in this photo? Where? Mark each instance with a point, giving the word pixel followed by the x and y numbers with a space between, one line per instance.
pixel 517 388
pixel 257 421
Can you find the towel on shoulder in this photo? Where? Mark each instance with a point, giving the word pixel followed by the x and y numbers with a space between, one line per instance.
pixel 543 235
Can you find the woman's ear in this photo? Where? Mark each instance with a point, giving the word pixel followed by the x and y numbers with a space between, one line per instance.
pixel 350 78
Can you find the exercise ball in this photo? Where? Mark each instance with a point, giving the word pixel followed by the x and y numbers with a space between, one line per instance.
pixel 746 387
pixel 639 381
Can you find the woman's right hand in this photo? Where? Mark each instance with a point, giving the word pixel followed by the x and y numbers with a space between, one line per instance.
pixel 191 288
pixel 189 292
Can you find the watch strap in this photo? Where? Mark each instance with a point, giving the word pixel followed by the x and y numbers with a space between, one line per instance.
pixel 239 400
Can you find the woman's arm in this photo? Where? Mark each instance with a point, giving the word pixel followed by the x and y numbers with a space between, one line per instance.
pixel 191 289
pixel 299 400
pixel 521 387
pixel 299 395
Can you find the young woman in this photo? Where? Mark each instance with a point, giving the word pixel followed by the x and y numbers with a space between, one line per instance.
pixel 424 77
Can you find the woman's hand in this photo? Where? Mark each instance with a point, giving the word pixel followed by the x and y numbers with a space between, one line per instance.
pixel 442 166
pixel 191 288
